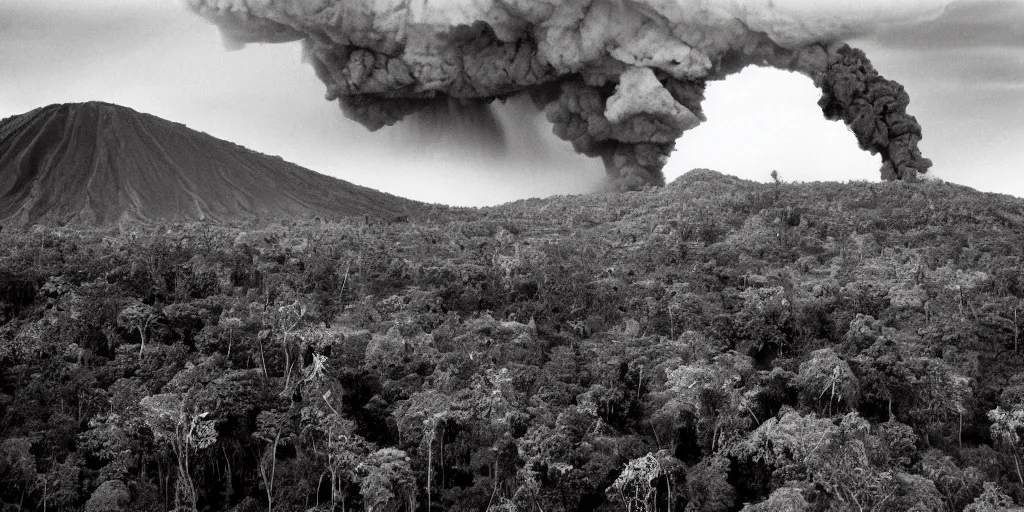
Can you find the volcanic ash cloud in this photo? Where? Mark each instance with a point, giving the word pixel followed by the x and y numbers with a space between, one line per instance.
pixel 619 79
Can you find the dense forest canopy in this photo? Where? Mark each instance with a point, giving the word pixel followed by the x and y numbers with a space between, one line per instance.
pixel 716 345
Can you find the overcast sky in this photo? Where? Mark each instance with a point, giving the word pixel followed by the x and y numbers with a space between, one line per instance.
pixel 964 72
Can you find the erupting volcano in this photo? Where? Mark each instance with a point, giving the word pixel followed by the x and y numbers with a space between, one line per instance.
pixel 620 80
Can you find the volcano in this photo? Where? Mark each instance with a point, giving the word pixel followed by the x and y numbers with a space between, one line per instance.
pixel 100 164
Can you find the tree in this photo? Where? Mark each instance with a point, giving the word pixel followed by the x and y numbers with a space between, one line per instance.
pixel 939 392
pixel 1005 425
pixel 957 485
pixel 783 499
pixel 272 427
pixel 836 458
pixel 110 496
pixel 712 393
pixel 333 438
pixel 111 439
pixel 825 377
pixel 137 317
pixel 992 499
pixel 385 350
pixel 387 483
pixel 186 430
pixel 325 284
pixel 423 418
pixel 636 486
pixel 766 316
pixel 60 484
pixel 17 466
pixel 884 374
pixel 708 486
pixel 287 321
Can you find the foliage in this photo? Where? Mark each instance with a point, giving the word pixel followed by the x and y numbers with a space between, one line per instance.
pixel 110 496
pixel 714 345
pixel 387 482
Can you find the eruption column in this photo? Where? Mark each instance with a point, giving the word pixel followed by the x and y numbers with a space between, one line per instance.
pixel 619 80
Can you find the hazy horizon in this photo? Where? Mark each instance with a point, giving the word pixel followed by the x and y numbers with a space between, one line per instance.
pixel 966 90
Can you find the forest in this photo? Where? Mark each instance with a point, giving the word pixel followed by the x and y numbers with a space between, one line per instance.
pixel 715 345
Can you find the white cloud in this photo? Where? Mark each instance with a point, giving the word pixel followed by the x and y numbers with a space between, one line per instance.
pixel 761 120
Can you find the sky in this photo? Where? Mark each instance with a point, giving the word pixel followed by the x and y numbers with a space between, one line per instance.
pixel 964 71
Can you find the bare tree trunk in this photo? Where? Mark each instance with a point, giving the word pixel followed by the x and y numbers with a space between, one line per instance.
pixel 268 483
pixel 185 489
pixel 430 467
pixel 287 363
pixel 263 359
pixel 960 431
pixel 640 384
pixel 142 343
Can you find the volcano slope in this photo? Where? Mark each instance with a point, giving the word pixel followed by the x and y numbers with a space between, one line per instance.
pixel 98 164
pixel 710 344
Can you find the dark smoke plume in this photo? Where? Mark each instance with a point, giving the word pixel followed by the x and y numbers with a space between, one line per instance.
pixel 471 122
pixel 876 110
pixel 620 80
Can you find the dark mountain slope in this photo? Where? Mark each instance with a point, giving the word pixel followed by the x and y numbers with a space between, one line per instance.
pixel 98 164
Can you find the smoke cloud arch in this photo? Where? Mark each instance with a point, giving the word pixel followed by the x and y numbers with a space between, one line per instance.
pixel 619 79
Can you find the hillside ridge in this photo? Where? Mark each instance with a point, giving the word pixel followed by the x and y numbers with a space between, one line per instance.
pixel 752 346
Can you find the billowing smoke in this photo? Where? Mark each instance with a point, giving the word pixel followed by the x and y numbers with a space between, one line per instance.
pixel 619 79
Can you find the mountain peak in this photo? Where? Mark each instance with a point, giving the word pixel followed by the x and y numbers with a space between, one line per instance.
pixel 99 163
pixel 84 105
